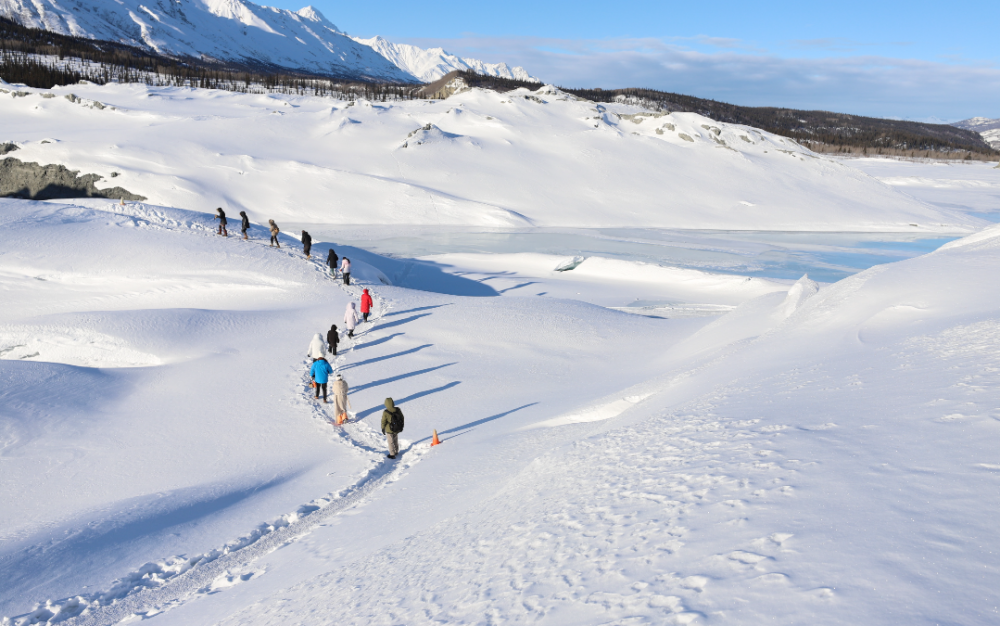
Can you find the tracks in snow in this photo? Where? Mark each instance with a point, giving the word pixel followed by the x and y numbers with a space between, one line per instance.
pixel 158 587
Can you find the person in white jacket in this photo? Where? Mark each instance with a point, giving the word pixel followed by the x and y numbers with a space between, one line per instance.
pixel 350 319
pixel 345 269
pixel 317 349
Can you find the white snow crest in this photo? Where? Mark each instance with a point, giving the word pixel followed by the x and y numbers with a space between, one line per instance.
pixel 430 64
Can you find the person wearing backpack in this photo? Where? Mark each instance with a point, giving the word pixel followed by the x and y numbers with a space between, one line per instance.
pixel 274 233
pixel 320 374
pixel 392 425
pixel 245 225
pixel 307 243
pixel 222 221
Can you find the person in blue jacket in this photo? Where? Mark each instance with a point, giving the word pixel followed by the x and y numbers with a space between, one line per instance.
pixel 320 374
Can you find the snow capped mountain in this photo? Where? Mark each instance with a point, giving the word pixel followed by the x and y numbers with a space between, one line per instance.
pixel 229 30
pixel 988 128
pixel 432 63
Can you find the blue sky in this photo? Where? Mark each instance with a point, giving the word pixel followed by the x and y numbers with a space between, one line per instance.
pixel 916 60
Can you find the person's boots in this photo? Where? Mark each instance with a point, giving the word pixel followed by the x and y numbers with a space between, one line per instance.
pixel 220 229
pixel 225 232
pixel 244 236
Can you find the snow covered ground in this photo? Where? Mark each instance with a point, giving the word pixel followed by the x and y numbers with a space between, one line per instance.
pixel 818 454
pixel 478 158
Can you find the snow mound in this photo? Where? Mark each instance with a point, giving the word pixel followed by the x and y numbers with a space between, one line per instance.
pixel 72 346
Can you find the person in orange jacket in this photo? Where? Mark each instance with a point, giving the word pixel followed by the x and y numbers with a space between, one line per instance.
pixel 366 305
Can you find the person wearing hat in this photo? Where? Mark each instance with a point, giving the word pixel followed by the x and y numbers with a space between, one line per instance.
pixel 246 224
pixel 392 425
pixel 341 404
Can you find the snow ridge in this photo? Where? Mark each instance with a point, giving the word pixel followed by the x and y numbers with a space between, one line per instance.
pixel 430 64
pixel 228 30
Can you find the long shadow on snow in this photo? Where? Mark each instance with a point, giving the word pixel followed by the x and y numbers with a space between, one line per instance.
pixel 388 356
pixel 414 310
pixel 401 401
pixel 412 273
pixel 471 425
pixel 88 544
pixel 385 381
pixel 405 320
pixel 378 341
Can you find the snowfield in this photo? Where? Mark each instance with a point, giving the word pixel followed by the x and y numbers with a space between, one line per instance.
pixel 478 158
pixel 624 441
pixel 814 456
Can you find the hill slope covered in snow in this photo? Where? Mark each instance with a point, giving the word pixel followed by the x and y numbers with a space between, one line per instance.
pixel 430 64
pixel 988 128
pixel 819 455
pixel 525 158
pixel 228 30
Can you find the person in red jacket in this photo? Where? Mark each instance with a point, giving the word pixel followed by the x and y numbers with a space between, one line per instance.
pixel 366 305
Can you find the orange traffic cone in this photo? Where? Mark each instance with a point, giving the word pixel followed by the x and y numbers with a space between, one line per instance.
pixel 435 441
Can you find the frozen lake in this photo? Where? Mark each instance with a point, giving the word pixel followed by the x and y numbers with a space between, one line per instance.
pixel 826 257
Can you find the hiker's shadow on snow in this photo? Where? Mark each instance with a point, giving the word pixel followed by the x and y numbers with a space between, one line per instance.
pixel 405 320
pixel 518 286
pixel 402 401
pixel 419 308
pixel 383 358
pixel 376 342
pixel 467 427
pixel 392 379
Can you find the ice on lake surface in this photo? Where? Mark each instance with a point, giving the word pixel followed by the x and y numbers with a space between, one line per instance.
pixel 826 257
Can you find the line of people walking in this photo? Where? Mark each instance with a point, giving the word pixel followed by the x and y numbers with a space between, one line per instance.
pixel 321 370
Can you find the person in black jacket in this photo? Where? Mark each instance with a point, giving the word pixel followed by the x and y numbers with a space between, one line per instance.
pixel 307 243
pixel 246 223
pixel 222 222
pixel 331 260
pixel 333 338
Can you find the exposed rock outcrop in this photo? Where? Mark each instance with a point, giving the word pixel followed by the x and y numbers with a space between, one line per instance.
pixel 45 182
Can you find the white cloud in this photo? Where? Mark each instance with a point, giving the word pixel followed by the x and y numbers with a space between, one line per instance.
pixel 735 72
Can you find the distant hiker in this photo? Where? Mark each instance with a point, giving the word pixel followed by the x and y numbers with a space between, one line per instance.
pixel 222 222
pixel 366 305
pixel 246 224
pixel 333 338
pixel 345 269
pixel 350 319
pixel 307 243
pixel 392 425
pixel 316 348
pixel 331 260
pixel 341 403
pixel 274 233
pixel 320 374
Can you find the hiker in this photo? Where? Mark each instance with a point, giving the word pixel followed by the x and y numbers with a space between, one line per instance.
pixel 350 319
pixel 331 260
pixel 316 348
pixel 222 222
pixel 274 233
pixel 320 374
pixel 333 338
pixel 345 269
pixel 392 425
pixel 341 403
pixel 366 305
pixel 246 224
pixel 307 243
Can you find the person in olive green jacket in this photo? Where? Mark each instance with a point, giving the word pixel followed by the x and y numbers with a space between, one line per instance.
pixel 392 425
